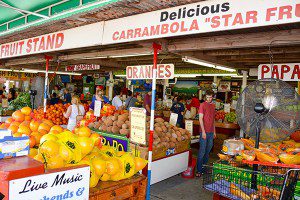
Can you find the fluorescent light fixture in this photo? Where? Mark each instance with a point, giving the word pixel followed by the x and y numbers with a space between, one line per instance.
pixel 186 75
pixel 10 70
pixel 238 76
pixel 89 58
pixel 225 68
pixel 51 72
pixel 120 75
pixel 130 55
pixel 197 62
pixel 219 74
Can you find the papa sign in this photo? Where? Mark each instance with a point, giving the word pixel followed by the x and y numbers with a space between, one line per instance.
pixel 164 71
pixel 285 72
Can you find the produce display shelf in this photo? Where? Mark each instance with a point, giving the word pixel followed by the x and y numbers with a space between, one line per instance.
pixel 132 188
pixel 271 164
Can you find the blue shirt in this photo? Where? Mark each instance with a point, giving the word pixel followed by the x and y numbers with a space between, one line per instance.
pixel 68 98
pixel 178 108
pixel 92 105
pixel 54 101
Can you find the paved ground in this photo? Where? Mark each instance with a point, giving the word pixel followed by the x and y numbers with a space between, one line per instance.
pixel 177 188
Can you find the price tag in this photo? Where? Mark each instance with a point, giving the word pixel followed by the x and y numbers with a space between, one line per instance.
pixel 218 105
pixel 173 119
pixel 233 104
pixel 97 108
pixel 227 107
pixel 138 125
pixel 4 103
pixel 189 126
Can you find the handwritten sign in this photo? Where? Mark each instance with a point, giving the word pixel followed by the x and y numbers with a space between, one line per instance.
pixel 69 184
pixel 189 126
pixel 138 125
pixel 173 119
pixel 97 108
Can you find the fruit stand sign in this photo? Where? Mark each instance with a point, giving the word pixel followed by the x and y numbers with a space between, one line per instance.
pixel 173 119
pixel 138 125
pixel 285 72
pixel 97 108
pixel 118 142
pixel 189 126
pixel 82 67
pixel 164 71
pixel 69 184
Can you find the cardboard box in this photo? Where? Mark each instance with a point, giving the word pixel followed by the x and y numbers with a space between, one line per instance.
pixel 14 146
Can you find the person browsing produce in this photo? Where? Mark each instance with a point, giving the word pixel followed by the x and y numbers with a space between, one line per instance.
pixel 99 97
pixel 73 111
pixel 207 131
pixel 178 108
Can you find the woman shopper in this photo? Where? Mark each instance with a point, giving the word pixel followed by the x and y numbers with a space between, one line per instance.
pixel 99 97
pixel 74 110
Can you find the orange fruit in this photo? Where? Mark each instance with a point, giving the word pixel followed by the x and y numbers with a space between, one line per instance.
pixel 96 138
pixel 44 126
pixel 26 110
pixel 32 152
pixel 27 118
pixel 99 166
pixel 37 136
pixel 34 125
pixel 49 148
pixel 50 123
pixel 83 132
pixel 57 128
pixel 9 120
pixel 15 123
pixel 13 128
pixel 18 116
pixel 86 144
pixel 48 137
pixel 112 166
pixel 17 134
pixel 24 130
pixel 32 141
pixel 43 132
pixel 54 132
pixel 25 123
pixel 55 162
pixel 39 157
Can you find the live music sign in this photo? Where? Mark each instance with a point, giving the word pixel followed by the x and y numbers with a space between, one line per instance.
pixel 164 71
pixel 285 72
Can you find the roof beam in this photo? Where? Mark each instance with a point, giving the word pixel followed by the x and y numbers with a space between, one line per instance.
pixel 245 40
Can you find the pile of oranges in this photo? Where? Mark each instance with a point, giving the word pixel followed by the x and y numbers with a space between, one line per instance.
pixel 53 113
pixel 21 123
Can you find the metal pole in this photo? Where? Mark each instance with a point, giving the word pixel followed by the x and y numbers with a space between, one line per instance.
pixel 46 83
pixel 156 48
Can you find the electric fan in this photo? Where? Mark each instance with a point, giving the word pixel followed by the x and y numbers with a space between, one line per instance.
pixel 268 110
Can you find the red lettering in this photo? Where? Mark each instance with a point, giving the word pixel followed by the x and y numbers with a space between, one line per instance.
pixel 122 36
pixel 148 71
pixel 226 18
pixel 142 75
pixel 251 15
pixel 145 32
pixel 7 50
pixel 264 70
pixel 116 35
pixel 50 41
pixel 160 72
pixel 154 30
pixel 174 27
pixel 215 22
pixel 12 48
pixel 164 28
pixel 129 33
pixel 35 40
pixel 297 11
pixel 238 19
pixel 168 72
pixel 275 72
pixel 284 69
pixel 129 72
pixel 42 44
pixel 29 46
pixel 59 40
pixel 270 13
pixel 296 72
pixel 137 32
pixel 134 72
pixel 194 25
pixel 21 46
pixel 285 10
pixel 183 29
pixel 2 50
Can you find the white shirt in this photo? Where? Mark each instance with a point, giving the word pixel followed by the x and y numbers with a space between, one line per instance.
pixel 117 102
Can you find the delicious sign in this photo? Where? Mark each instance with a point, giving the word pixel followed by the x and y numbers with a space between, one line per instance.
pixel 82 67
pixel 202 17
pixel 285 72
pixel 164 71
pixel 69 184
pixel 84 36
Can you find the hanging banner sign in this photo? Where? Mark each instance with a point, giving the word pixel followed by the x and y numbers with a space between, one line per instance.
pixel 67 39
pixel 69 184
pixel 164 71
pixel 201 17
pixel 17 75
pixel 82 67
pixel 138 125
pixel 285 72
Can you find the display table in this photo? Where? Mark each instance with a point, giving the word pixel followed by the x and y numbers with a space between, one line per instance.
pixel 133 188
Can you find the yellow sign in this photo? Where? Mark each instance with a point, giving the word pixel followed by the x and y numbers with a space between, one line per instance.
pixel 17 75
pixel 138 125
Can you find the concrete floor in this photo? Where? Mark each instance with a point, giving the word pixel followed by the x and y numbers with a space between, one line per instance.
pixel 176 188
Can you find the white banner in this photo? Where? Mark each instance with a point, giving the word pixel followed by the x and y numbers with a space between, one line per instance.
pixel 82 67
pixel 285 72
pixel 164 71
pixel 83 36
pixel 138 125
pixel 202 17
pixel 69 184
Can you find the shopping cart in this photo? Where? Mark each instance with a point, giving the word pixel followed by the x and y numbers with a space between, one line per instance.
pixel 271 182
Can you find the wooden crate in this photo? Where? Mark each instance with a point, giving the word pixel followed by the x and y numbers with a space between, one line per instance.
pixel 133 188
